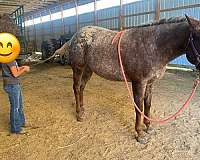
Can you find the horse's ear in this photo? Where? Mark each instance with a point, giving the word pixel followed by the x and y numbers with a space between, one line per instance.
pixel 194 24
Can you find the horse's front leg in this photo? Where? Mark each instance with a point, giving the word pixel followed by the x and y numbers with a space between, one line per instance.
pixel 138 93
pixel 147 106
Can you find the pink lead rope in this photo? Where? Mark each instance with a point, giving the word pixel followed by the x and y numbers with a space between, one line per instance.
pixel 161 121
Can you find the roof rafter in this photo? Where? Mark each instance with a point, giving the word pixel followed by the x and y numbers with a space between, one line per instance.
pixel 30 6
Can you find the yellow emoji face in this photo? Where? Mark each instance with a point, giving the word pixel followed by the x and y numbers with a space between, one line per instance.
pixel 9 47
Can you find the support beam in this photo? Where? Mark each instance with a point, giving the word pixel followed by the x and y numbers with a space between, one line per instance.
pixel 62 19
pixel 10 4
pixel 121 17
pixel 35 34
pixel 42 27
pixel 157 14
pixel 27 30
pixel 95 13
pixel 77 16
pixel 51 23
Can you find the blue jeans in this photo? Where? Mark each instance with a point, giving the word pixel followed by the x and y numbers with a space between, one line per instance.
pixel 17 119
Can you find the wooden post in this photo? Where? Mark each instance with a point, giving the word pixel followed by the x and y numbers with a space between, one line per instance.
pixel 42 27
pixel 51 23
pixel 62 19
pixel 121 18
pixel 27 29
pixel 157 11
pixel 35 35
pixel 95 12
pixel 77 17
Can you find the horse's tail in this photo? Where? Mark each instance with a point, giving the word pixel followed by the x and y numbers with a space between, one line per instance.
pixel 79 39
pixel 64 51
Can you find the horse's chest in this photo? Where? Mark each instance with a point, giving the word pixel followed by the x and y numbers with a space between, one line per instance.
pixel 158 73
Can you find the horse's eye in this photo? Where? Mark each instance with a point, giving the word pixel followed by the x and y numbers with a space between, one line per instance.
pixel 1 44
pixel 9 44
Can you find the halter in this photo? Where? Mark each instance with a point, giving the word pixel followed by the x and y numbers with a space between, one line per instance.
pixel 195 53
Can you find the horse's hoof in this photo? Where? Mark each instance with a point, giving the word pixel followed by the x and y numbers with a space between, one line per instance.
pixel 80 116
pixel 142 140
pixel 80 119
pixel 151 131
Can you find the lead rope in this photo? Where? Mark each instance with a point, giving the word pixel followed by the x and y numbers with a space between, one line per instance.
pixel 33 65
pixel 43 60
pixel 161 121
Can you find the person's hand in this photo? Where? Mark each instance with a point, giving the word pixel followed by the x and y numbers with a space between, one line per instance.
pixel 26 68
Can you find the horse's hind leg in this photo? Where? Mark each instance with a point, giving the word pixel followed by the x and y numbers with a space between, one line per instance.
pixel 147 106
pixel 77 75
pixel 87 73
pixel 138 93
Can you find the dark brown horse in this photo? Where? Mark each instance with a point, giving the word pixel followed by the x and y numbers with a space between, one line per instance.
pixel 145 51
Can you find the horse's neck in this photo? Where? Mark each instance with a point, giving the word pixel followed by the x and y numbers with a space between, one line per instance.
pixel 172 40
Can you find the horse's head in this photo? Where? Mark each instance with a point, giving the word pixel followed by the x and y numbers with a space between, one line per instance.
pixel 193 46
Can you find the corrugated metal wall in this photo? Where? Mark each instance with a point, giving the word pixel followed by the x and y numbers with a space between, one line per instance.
pixel 136 13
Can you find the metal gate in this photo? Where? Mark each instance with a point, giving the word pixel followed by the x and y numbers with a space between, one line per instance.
pixel 18 17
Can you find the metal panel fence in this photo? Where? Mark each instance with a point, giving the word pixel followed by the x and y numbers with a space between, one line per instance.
pixel 125 15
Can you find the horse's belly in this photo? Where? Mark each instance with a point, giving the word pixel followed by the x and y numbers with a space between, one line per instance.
pixel 110 76
pixel 109 70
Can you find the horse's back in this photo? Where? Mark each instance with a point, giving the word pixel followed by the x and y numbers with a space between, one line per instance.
pixel 92 46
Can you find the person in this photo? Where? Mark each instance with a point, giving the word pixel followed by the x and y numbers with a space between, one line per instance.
pixel 11 84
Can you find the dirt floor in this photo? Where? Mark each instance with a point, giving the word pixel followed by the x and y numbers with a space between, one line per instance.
pixel 108 131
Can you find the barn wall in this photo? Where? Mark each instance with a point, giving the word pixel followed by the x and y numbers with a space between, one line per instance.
pixel 133 14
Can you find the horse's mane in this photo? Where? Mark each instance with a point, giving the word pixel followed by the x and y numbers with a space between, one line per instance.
pixel 162 21
pixel 165 21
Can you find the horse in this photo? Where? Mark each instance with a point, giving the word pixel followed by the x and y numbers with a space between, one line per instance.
pixel 145 52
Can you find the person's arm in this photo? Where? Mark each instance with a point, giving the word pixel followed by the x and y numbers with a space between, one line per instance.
pixel 16 72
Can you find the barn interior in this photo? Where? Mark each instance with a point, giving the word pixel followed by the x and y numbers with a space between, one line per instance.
pixel 108 130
